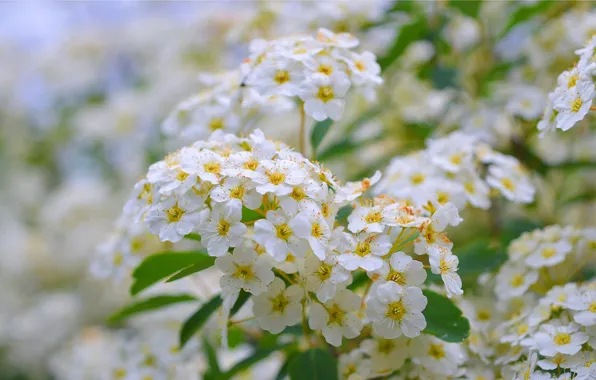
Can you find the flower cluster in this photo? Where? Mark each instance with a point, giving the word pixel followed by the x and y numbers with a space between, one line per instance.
pixel 545 257
pixel 571 100
pixel 268 215
pixel 459 168
pixel 318 71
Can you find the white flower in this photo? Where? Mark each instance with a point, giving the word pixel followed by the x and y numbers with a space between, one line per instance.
pixel 324 277
pixel 402 269
pixel 223 229
pixel 353 366
pixel 513 281
pixel 549 254
pixel 173 218
pixel 278 177
pixel 585 306
pixel 386 355
pixel 279 306
pixel 323 96
pixel 394 310
pixel 511 183
pixel 207 165
pixel 445 263
pixel 237 190
pixel 336 318
pixel 368 219
pixel 342 40
pixel 301 196
pixel 310 225
pixel 552 339
pixel 244 269
pixel 277 233
pixel 574 105
pixel 365 251
pixel 436 355
pixel 277 77
pixel 365 69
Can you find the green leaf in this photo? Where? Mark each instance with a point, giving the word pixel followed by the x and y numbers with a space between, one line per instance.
pixel 198 319
pixel 186 272
pixel 513 228
pixel 249 215
pixel 526 12
pixel 213 370
pixel 162 265
pixel 314 364
pixel 408 33
pixel 469 8
pixel 479 256
pixel 443 319
pixel 191 236
pixel 359 279
pixel 244 364
pixel 319 131
pixel 443 77
pixel 149 304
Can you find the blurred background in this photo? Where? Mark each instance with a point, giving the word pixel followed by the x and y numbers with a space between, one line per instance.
pixel 85 87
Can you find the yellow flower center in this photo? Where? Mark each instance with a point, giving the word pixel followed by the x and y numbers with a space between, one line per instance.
pixel 282 77
pixel 483 315
pixel 279 303
pixel 336 314
pixel 397 277
pixel 244 272
pixel 216 124
pixel 175 213
pixel 517 280
pixel 181 176
pixel 119 373
pixel 444 266
pixel 276 178
pixel 572 80
pixel 592 307
pixel 326 69
pixel 298 193
pixel 360 66
pixel 325 94
pixel 212 167
pixel 350 370
pixel 362 248
pixel 316 230
pixel 508 184
pixel 456 158
pixel 469 187
pixel 251 164
pixel 417 178
pixel 436 351
pixel 522 329
pixel 117 259
pixel 576 104
pixel 324 271
pixel 386 346
pixel 548 252
pixel 396 310
pixel 223 227
pixel 442 197
pixel 237 192
pixel 373 217
pixel 283 231
pixel 562 339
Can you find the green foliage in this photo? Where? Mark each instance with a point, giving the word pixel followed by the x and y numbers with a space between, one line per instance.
pixel 198 319
pixel 318 133
pixel 443 319
pixel 249 215
pixel 149 304
pixel 526 12
pixel 408 33
pixel 478 257
pixel 161 265
pixel 314 364
pixel 469 8
pixel 213 370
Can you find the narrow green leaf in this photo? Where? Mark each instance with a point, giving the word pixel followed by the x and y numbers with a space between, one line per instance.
pixel 244 364
pixel 314 364
pixel 191 236
pixel 162 265
pixel 407 34
pixel 525 12
pixel 198 319
pixel 149 304
pixel 443 319
pixel 249 215
pixel 318 133
pixel 469 8
pixel 213 370
pixel 359 279
pixel 187 272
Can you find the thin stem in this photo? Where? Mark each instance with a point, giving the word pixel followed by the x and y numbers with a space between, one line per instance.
pixel 285 276
pixel 305 327
pixel 231 323
pixel 368 286
pixel 302 129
